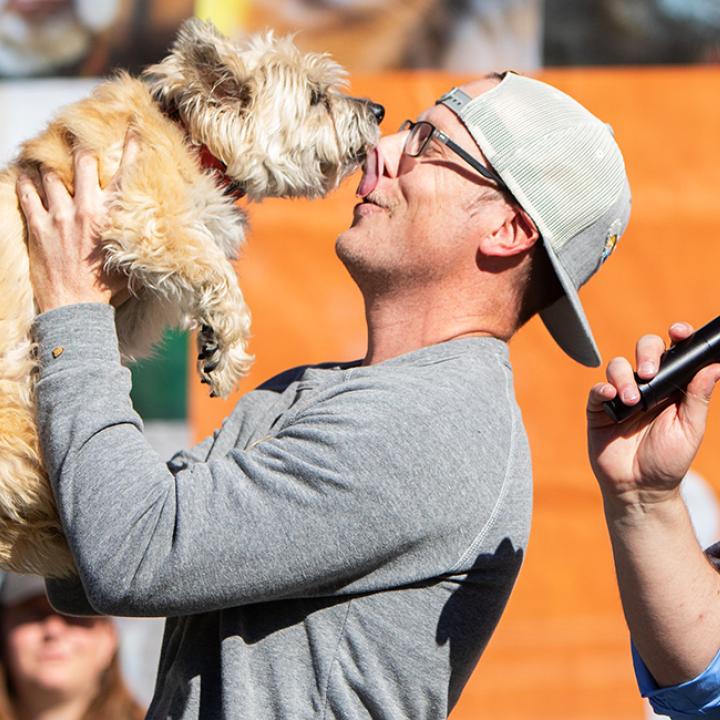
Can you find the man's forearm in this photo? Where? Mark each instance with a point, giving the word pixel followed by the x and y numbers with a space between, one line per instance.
pixel 670 592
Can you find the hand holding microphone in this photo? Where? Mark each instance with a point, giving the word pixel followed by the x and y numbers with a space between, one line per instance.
pixel 640 462
pixel 678 366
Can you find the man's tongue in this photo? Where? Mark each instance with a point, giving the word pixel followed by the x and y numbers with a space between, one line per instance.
pixel 371 173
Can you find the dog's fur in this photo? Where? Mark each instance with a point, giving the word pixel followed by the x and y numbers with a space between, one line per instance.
pixel 274 117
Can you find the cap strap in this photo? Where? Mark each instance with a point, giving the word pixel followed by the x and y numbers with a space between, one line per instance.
pixel 456 99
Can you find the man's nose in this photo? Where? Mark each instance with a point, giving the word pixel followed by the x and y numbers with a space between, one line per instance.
pixel 383 162
pixel 391 148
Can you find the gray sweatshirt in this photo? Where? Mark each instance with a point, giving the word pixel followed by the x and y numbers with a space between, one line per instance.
pixel 342 547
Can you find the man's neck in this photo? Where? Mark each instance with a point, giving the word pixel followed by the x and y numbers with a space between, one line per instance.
pixel 405 322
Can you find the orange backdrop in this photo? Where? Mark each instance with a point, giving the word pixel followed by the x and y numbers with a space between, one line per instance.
pixel 561 650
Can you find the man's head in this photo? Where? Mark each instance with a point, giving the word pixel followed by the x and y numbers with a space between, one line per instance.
pixel 547 213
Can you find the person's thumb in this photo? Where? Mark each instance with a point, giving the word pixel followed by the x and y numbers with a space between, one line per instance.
pixel 694 406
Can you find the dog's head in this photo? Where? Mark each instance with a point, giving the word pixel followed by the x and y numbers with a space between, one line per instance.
pixel 274 116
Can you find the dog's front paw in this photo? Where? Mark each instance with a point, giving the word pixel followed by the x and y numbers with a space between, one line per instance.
pixel 219 365
pixel 208 351
pixel 208 357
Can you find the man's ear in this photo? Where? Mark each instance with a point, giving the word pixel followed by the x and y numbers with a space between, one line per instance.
pixel 514 236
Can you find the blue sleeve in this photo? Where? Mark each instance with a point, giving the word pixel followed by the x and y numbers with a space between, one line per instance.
pixel 696 698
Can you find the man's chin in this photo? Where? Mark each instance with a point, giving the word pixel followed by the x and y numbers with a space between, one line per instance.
pixel 368 227
pixel 355 229
pixel 350 243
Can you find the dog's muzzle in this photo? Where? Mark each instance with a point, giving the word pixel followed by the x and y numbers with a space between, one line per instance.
pixel 377 110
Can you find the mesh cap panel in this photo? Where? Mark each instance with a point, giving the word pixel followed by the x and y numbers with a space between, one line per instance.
pixel 550 151
pixel 564 168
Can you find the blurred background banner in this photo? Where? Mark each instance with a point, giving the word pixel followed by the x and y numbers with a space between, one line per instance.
pixel 70 38
pixel 373 35
pixel 649 67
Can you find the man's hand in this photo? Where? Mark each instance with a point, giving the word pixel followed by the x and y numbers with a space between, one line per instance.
pixel 642 461
pixel 66 258
pixel 668 588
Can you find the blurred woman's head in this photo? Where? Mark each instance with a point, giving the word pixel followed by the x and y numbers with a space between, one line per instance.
pixel 55 662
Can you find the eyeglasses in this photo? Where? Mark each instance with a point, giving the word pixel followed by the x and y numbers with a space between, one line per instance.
pixel 419 137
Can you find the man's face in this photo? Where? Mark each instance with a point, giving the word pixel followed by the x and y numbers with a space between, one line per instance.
pixel 418 216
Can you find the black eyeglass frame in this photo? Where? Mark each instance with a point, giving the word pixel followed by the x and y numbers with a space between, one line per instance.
pixel 440 136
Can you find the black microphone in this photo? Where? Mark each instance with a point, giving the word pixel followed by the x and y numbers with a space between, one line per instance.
pixel 678 367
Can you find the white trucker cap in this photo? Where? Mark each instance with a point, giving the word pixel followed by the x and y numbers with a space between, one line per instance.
pixel 564 168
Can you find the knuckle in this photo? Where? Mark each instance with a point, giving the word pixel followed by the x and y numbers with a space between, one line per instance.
pixel 90 217
pixel 61 217
pixel 50 176
pixel 36 228
pixel 84 212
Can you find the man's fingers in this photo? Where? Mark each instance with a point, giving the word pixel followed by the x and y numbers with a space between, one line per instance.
pixel 87 185
pixel 648 351
pixel 58 198
pixel 600 393
pixel 30 201
pixel 131 150
pixel 620 374
pixel 679 331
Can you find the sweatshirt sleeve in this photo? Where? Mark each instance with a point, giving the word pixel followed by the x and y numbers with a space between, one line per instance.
pixel 351 495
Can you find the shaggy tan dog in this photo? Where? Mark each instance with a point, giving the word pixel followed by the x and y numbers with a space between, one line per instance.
pixel 213 121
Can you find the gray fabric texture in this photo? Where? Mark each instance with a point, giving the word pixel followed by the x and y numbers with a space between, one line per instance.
pixel 342 547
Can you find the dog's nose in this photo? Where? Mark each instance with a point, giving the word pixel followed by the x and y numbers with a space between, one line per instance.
pixel 377 110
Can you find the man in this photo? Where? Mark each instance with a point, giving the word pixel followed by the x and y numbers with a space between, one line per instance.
pixel 669 587
pixel 345 544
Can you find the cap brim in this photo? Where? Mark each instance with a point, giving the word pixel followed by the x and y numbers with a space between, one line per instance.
pixel 565 319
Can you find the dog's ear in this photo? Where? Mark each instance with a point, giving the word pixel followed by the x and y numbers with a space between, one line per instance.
pixel 200 57
pixel 224 76
pixel 219 63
